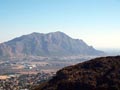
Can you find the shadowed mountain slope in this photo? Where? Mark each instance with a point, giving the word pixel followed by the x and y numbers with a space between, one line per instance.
pixel 97 74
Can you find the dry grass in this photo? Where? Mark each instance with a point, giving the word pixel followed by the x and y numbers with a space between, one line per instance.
pixel 3 77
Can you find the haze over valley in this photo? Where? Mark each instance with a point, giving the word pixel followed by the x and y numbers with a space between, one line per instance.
pixel 50 52
pixel 41 54
pixel 59 44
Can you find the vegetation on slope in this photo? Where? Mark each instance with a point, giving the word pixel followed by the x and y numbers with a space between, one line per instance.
pixel 97 74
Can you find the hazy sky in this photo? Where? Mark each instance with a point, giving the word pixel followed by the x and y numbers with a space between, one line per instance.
pixel 97 22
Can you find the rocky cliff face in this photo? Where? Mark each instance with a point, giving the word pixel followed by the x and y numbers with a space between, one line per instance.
pixel 96 74
pixel 51 44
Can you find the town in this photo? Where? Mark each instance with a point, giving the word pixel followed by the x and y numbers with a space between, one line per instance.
pixel 25 73
pixel 23 82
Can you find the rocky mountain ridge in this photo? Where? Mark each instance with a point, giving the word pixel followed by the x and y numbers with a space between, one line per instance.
pixel 51 44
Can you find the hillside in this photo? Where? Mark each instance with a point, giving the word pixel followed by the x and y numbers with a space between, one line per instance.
pixel 97 74
pixel 51 44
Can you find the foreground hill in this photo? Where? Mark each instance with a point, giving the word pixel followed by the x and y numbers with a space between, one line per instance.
pixel 96 74
pixel 51 44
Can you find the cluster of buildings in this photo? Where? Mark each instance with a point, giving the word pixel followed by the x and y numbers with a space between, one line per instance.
pixel 24 82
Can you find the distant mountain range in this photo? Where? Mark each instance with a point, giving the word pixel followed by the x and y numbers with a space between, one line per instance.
pixel 51 44
pixel 97 74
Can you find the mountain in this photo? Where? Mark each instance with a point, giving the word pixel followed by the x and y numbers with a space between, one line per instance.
pixel 51 44
pixel 97 74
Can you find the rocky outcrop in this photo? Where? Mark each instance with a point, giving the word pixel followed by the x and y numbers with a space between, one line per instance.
pixel 97 74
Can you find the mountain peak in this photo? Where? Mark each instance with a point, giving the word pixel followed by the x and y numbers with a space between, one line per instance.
pixel 57 33
pixel 50 44
pixel 37 33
